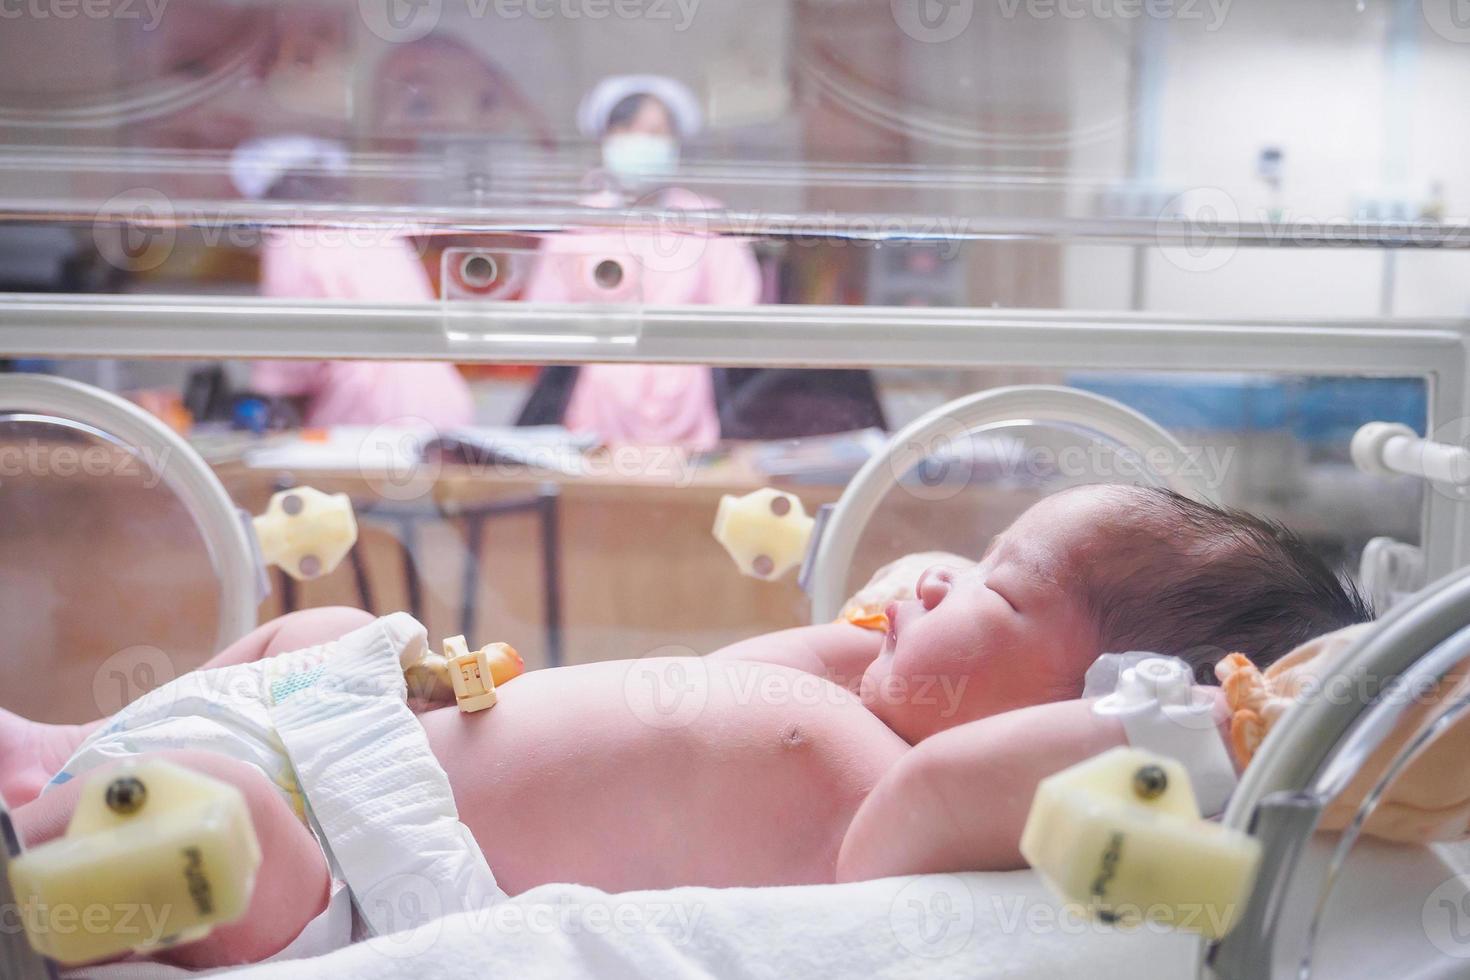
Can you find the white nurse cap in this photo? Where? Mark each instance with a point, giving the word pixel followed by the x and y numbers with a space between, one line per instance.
pixel 257 164
pixel 598 104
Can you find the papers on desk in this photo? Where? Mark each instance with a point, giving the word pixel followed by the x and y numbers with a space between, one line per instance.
pixel 218 443
pixel 399 449
pixel 832 459
pixel 542 447
pixel 817 459
pixel 344 448
pixel 835 459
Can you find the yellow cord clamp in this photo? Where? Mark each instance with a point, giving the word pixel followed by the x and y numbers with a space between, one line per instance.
pixel 470 676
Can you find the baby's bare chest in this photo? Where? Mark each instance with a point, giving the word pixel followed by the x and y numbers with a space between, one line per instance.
pixel 661 772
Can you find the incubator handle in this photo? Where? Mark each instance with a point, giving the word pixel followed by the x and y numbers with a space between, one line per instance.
pixel 155 855
pixel 306 532
pixel 1121 835
pixel 1390 448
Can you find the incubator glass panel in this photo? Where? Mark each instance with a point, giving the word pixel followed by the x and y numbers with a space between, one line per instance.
pixel 582 544
pixel 1103 120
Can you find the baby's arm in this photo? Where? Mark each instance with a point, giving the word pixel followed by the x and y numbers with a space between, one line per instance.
pixel 839 652
pixel 291 887
pixel 959 799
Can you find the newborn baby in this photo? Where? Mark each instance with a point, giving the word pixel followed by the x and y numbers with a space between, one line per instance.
pixel 817 754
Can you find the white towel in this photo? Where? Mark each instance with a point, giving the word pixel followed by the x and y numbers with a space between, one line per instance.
pixel 967 926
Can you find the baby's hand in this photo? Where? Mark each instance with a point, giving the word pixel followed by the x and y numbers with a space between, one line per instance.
pixel 1258 698
pixel 894 582
pixel 1428 799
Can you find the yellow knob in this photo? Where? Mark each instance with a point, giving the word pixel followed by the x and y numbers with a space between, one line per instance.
pixel 765 532
pixel 155 855
pixel 306 532
pixel 1121 835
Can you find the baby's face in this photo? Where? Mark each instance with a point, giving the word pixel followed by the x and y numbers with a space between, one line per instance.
pixel 1015 630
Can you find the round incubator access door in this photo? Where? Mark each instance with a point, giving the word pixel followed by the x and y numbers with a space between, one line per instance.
pixel 957 476
pixel 123 562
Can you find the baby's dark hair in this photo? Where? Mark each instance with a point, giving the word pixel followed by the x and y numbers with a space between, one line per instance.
pixel 1198 582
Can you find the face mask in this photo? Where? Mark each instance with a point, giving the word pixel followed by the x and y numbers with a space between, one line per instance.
pixel 640 155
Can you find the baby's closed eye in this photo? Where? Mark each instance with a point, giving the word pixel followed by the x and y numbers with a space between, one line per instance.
pixel 1007 585
pixel 1005 596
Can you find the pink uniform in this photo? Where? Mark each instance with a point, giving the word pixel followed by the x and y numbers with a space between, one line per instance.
pixel 655 264
pixel 308 265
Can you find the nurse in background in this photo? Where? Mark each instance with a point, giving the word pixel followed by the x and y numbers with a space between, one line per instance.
pixel 640 121
pixel 364 264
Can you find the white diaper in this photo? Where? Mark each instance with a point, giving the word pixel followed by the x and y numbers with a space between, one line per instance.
pixel 331 729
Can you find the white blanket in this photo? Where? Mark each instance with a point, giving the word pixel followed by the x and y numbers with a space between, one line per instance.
pixel 967 926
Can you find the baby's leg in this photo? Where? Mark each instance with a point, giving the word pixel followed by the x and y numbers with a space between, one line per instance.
pixel 291 888
pixel 293 631
pixel 32 752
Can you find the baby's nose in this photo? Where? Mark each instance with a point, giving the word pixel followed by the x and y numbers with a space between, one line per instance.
pixel 934 585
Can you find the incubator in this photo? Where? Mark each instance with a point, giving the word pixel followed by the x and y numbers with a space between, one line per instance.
pixel 350 304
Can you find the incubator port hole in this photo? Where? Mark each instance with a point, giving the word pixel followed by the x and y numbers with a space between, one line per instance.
pixel 479 271
pixel 608 274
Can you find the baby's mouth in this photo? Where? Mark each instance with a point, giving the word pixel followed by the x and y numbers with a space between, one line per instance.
pixel 890 638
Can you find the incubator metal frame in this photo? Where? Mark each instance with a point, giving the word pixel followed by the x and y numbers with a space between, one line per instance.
pixel 1316 749
pixel 507 332
pixel 17 959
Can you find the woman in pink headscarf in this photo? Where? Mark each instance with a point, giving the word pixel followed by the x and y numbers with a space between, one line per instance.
pixel 361 264
pixel 640 120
